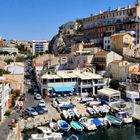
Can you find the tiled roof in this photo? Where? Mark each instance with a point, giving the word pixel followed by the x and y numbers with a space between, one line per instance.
pixel 135 71
pixel 102 53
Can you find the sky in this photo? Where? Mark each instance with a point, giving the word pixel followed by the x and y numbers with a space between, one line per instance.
pixel 40 19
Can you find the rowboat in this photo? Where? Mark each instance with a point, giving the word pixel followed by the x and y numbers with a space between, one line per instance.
pixel 114 120
pixel 77 126
pixel 63 125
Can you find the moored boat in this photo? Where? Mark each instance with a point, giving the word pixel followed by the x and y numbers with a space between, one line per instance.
pixel 54 126
pixel 88 124
pixel 114 120
pixel 53 136
pixel 98 123
pixel 63 125
pixel 78 114
pixel 124 116
pixel 77 126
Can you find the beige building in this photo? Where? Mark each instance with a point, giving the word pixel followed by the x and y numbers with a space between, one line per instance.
pixel 122 42
pixel 16 81
pixel 79 60
pixel 84 47
pixel 120 69
pixel 103 58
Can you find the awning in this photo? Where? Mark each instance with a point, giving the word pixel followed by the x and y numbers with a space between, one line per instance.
pixel 63 88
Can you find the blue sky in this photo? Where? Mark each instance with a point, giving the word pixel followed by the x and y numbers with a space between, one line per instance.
pixel 40 19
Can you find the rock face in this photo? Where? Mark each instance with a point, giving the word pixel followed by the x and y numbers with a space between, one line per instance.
pixel 60 43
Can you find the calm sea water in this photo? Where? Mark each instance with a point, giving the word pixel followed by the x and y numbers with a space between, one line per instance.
pixel 127 132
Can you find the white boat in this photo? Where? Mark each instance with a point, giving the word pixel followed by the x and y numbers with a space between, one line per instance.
pixel 91 103
pixel 103 109
pixel 53 136
pixel 65 114
pixel 90 111
pixel 86 99
pixel 71 114
pixel 54 126
pixel 124 116
pixel 88 124
pixel 44 129
pixel 78 114
pixel 96 109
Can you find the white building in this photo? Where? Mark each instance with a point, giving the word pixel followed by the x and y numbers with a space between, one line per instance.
pixel 4 97
pixel 107 43
pixel 84 82
pixel 39 46
pixel 15 68
pixel 9 49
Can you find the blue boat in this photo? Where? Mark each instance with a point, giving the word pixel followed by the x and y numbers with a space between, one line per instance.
pixel 114 120
pixel 98 122
pixel 63 125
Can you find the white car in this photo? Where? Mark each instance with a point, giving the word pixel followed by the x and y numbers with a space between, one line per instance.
pixel 42 103
pixel 44 107
pixel 38 97
pixel 32 111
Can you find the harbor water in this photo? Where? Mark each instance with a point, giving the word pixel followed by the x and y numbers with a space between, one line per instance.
pixel 126 132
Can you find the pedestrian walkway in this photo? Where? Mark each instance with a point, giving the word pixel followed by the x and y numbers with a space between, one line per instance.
pixel 5 125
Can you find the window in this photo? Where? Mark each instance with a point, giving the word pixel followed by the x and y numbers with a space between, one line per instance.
pixel 108 41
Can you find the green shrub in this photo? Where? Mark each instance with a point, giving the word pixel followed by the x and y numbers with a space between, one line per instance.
pixel 7 113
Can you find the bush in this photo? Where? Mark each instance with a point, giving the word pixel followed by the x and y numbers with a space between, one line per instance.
pixel 7 113
pixel 114 84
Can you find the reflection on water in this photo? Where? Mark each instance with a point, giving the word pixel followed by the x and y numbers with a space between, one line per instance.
pixel 127 132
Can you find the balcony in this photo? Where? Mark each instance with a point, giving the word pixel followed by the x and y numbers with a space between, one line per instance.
pixel 99 83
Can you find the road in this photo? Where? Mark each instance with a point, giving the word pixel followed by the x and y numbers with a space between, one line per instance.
pixel 5 127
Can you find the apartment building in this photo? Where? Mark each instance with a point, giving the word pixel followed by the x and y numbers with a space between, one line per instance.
pixel 84 47
pixel 122 42
pixel 110 22
pixel 103 58
pixel 80 81
pixel 4 98
pixel 39 46
pixel 120 69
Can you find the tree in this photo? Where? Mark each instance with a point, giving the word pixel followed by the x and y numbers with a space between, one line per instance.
pixel 20 59
pixel 114 84
pixel 8 61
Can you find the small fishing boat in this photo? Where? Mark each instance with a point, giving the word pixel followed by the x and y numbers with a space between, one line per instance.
pixel 71 114
pixel 88 124
pixel 91 111
pixel 124 116
pixel 66 106
pixel 114 120
pixel 63 125
pixel 78 114
pixel 98 123
pixel 53 136
pixel 54 126
pixel 65 114
pixel 77 126
pixel 96 109
pixel 44 129
pixel 105 121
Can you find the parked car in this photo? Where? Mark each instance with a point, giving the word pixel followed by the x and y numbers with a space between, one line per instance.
pixel 31 111
pixel 42 103
pixel 44 107
pixel 38 97
pixel 39 110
